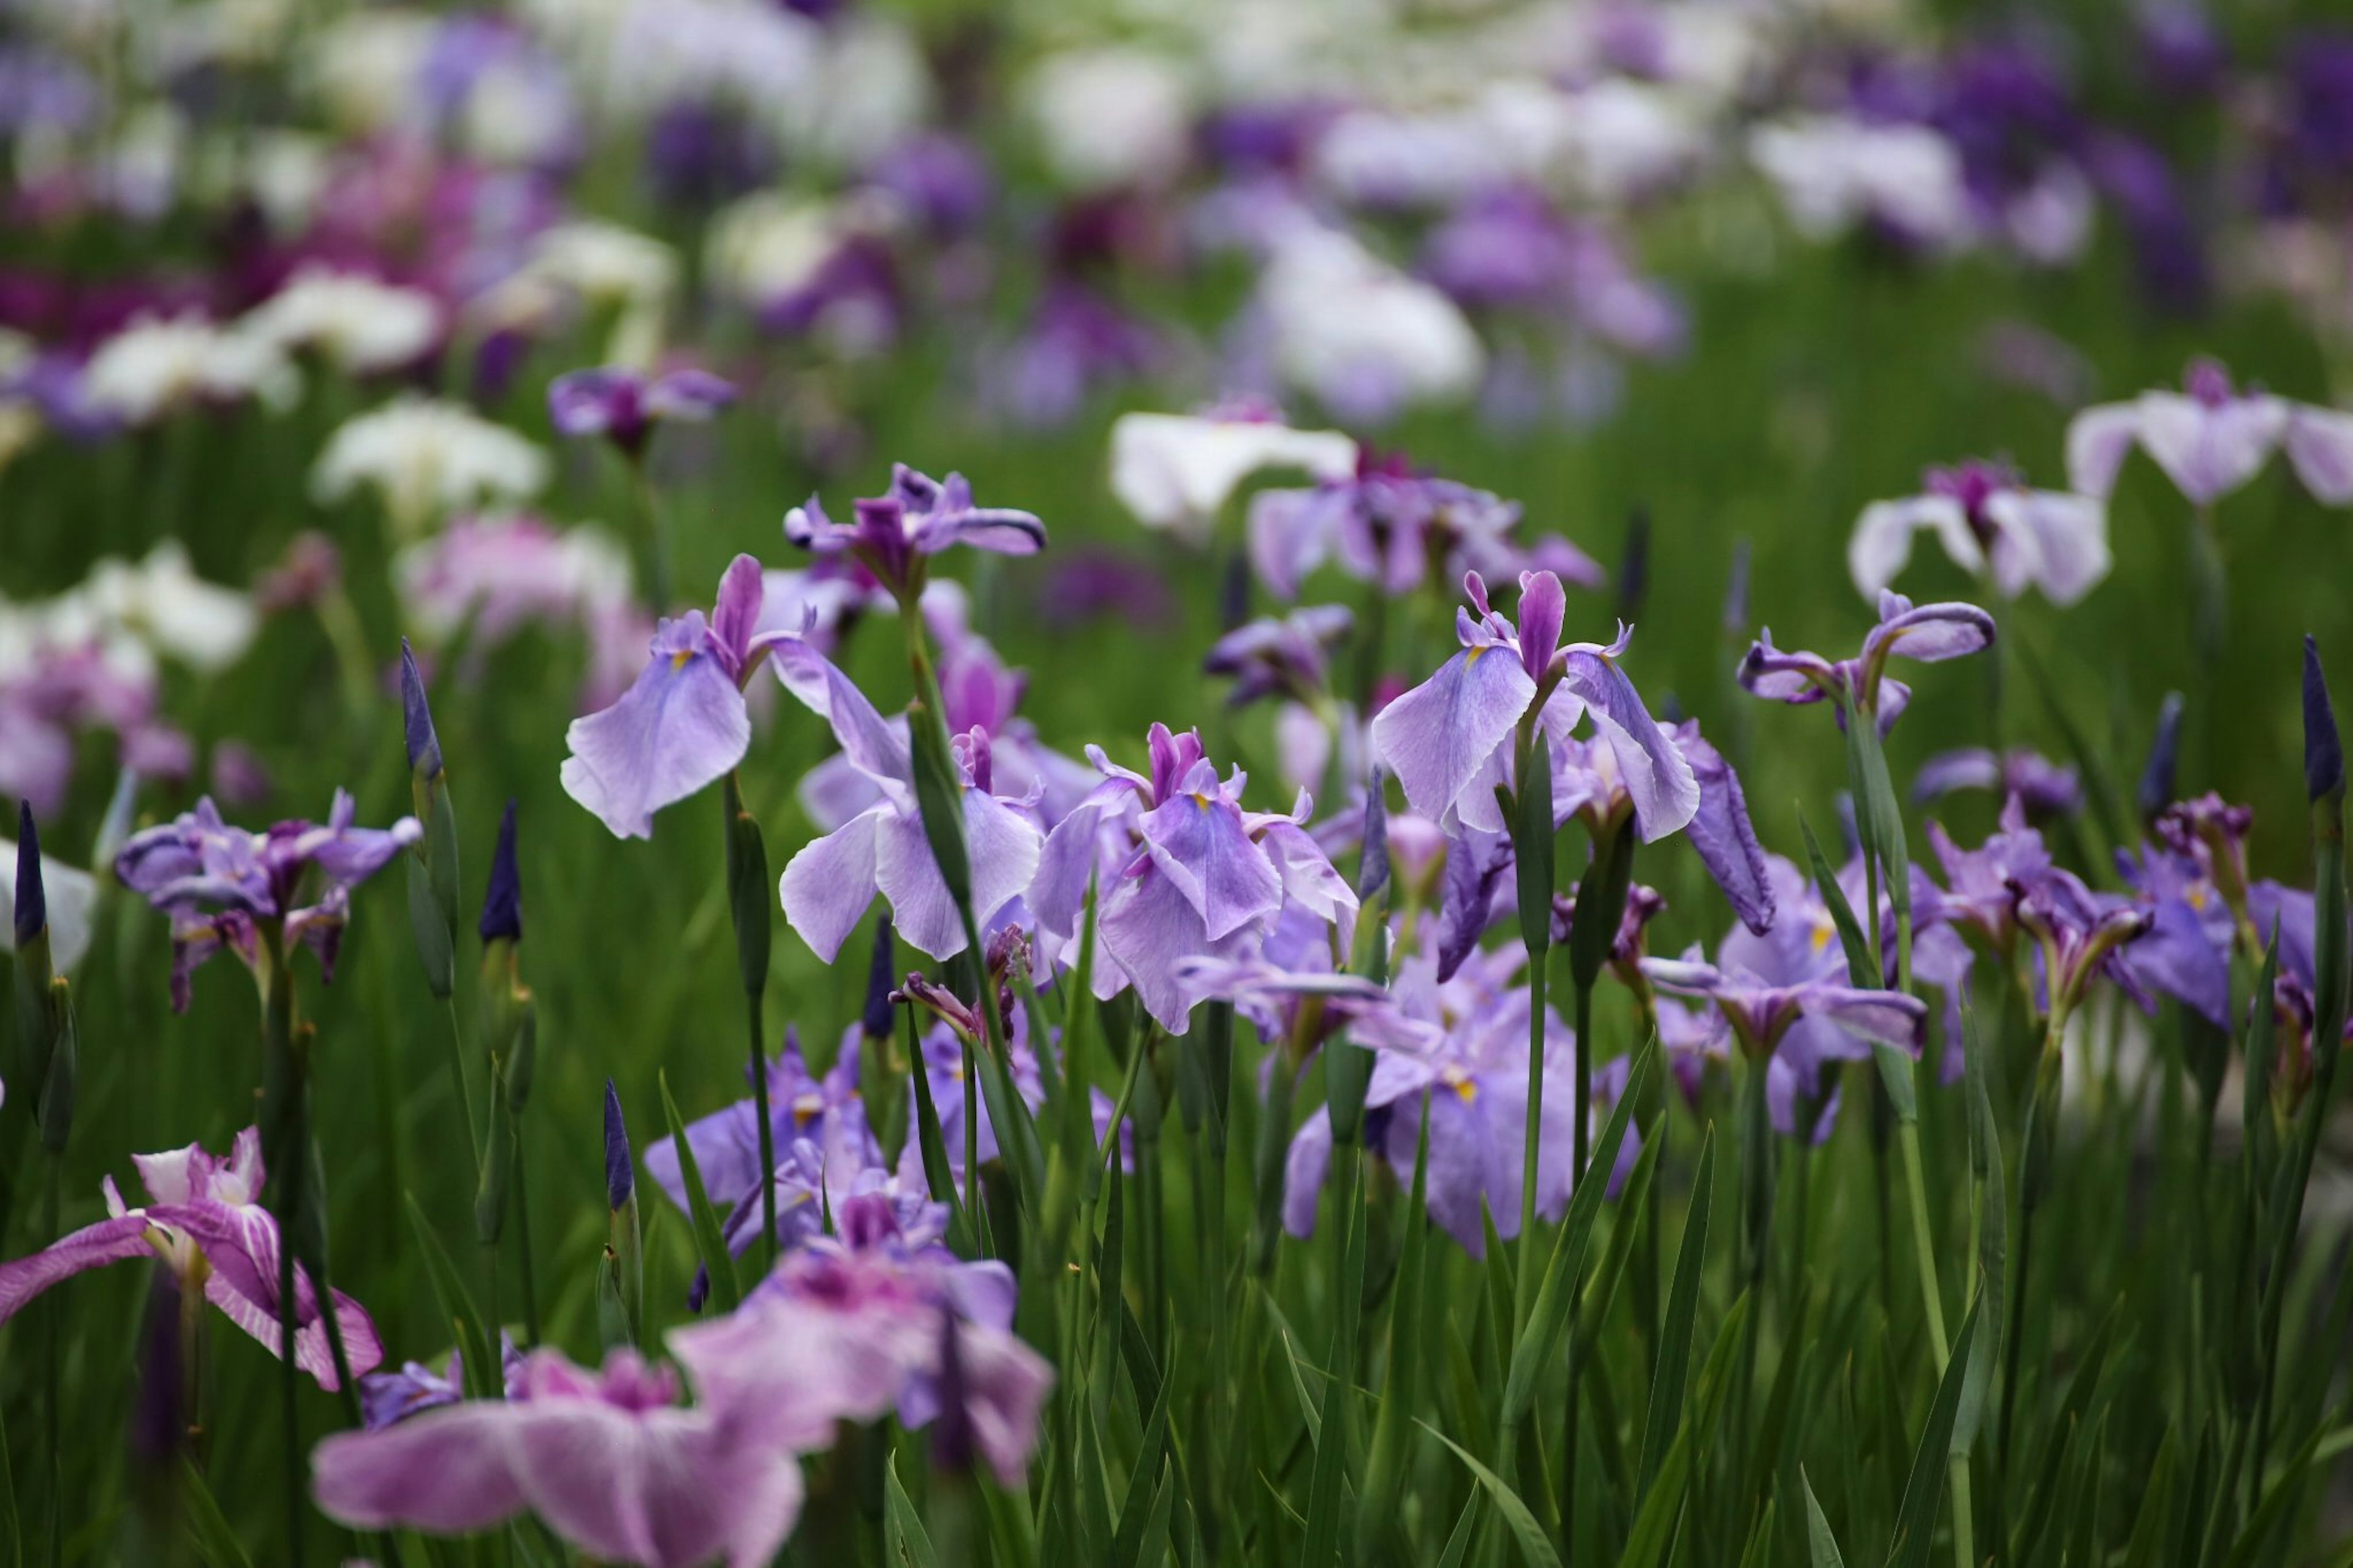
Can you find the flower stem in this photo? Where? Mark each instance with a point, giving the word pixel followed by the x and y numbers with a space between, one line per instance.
pixel 523 1242
pixel 767 1138
pixel 53 1310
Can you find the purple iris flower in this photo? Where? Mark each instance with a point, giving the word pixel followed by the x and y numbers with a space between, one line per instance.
pixel 206 1222
pixel 1290 658
pixel 2080 935
pixel 941 179
pixel 221 885
pixel 1980 891
pixel 2290 912
pixel 624 406
pixel 942 1054
pixel 683 725
pixel 2043 787
pixel 1074 345
pixel 387 1397
pixel 607 1460
pixel 1462 1048
pixel 896 534
pixel 1987 520
pixel 1391 526
pixel 2211 438
pixel 977 692
pixel 1448 741
pixel 1183 871
pixel 847 1327
pixel 828 885
pixel 1928 633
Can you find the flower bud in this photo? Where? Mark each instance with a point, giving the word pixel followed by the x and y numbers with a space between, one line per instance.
pixel 2157 786
pixel 2323 753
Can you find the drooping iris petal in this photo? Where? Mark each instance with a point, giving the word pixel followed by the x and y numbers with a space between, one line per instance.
pixel 1656 775
pixel 1439 737
pixel 1196 839
pixel 2069 536
pixel 828 884
pixel 681 727
pixel 609 1463
pixel 2098 440
pixel 2320 447
pixel 2210 448
pixel 1882 545
pixel 1720 831
pixel 1149 926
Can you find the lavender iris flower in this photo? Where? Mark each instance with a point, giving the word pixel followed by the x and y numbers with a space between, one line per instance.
pixel 942 1055
pixel 1390 526
pixel 2211 439
pixel 2079 935
pixel 1928 633
pixel 624 406
pixel 387 1397
pixel 2045 788
pixel 1290 658
pixel 848 1328
pixel 206 1222
pixel 896 533
pixel 1981 885
pixel 828 885
pixel 977 692
pixel 1448 741
pixel 221 884
pixel 683 725
pixel 1184 872
pixel 1461 1046
pixel 1989 520
pixel 608 1460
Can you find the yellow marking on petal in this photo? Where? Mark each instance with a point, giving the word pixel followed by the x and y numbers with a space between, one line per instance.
pixel 678 660
pixel 2197 896
pixel 1201 799
pixel 1470 654
pixel 1821 935
pixel 1465 1089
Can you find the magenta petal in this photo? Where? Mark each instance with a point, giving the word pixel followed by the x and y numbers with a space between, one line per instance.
pixel 93 1247
pixel 1438 736
pixel 1544 605
pixel 679 728
pixel 735 618
pixel 240 1242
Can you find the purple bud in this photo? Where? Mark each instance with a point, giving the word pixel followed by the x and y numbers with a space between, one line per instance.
pixel 1373 867
pixel 2324 753
pixel 1634 565
pixel 417 718
pixel 503 905
pixel 620 1175
pixel 2158 788
pixel 881 975
pixel 952 1440
pixel 1234 593
pixel 32 898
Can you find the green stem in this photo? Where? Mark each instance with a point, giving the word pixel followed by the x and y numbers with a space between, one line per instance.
pixel 1923 1252
pixel 53 1382
pixel 768 1137
pixel 522 1243
pixel 462 1088
pixel 653 535
pixel 1583 1004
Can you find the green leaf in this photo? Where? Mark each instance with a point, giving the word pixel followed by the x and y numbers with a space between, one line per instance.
pixel 209 1529
pixel 1821 1546
pixel 1458 1541
pixel 905 1542
pixel 1655 1522
pixel 710 1241
pixel 938 1175
pixel 1915 1521
pixel 1993 1210
pixel 1385 1467
pixel 1332 1443
pixel 1532 847
pixel 1143 1500
pixel 2262 1054
pixel 2150 1528
pixel 1534 1547
pixel 1878 816
pixel 456 1306
pixel 1895 1066
pixel 1010 1115
pixel 1548 1319
pixel 1683 1307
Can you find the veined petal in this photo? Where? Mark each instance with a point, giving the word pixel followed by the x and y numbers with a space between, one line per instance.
pixel 108 1241
pixel 679 728
pixel 828 885
pixel 1438 736
pixel 1882 1017
pixel 1720 831
pixel 1304 1169
pixel 1196 839
pixel 1657 776
pixel 873 745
